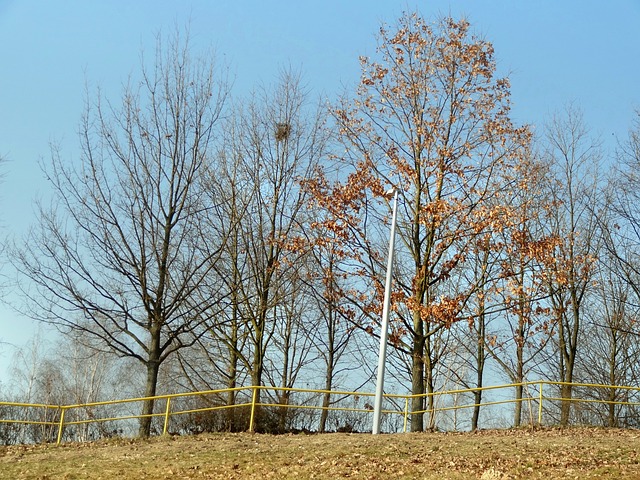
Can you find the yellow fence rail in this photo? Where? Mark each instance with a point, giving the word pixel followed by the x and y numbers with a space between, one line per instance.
pixel 56 417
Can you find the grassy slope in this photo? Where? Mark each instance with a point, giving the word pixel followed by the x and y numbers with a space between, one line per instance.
pixel 550 454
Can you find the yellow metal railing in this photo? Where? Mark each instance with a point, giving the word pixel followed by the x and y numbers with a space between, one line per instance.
pixel 540 399
pixel 253 393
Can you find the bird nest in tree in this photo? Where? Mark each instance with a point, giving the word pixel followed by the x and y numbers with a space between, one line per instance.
pixel 283 130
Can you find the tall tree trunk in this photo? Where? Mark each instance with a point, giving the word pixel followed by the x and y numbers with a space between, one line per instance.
pixel 565 408
pixel 285 394
pixel 612 420
pixel 477 400
pixel 517 418
pixel 256 379
pixel 328 381
pixel 417 378
pixel 429 367
pixel 260 330
pixel 232 379
pixel 569 350
pixel 480 360
pixel 566 391
pixel 326 399
pixel 153 367
pixel 520 343
pixel 231 397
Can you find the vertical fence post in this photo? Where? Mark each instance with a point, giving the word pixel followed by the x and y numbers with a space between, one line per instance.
pixel 61 425
pixel 406 414
pixel 253 407
pixel 540 405
pixel 167 413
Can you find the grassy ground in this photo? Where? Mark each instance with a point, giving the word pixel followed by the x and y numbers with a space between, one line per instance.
pixel 490 455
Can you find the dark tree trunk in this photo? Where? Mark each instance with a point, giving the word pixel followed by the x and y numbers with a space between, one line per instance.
pixel 153 367
pixel 232 379
pixel 517 420
pixel 480 360
pixel 417 383
pixel 429 383
pixel 565 409
pixel 328 384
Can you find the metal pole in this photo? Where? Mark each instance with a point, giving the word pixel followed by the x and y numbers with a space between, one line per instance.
pixel 61 425
pixel 384 332
pixel 253 407
pixel 540 406
pixel 167 412
pixel 406 414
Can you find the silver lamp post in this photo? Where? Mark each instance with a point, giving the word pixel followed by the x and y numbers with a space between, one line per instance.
pixel 384 333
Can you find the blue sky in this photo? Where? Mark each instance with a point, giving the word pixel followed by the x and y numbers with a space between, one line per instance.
pixel 554 52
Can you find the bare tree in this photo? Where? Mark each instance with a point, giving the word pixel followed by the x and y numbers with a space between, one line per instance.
pixel 279 141
pixel 121 255
pixel 573 157
pixel 334 327
pixel 622 233
pixel 272 140
pixel 610 350
pixel 216 360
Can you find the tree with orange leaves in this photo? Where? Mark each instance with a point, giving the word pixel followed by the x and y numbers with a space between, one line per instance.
pixel 431 119
pixel 518 290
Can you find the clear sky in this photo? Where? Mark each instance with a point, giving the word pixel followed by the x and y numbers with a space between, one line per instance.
pixel 582 51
